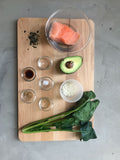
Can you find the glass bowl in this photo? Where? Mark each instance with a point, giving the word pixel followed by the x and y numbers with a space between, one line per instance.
pixel 76 20
pixel 28 96
pixel 45 104
pixel 28 74
pixel 46 83
pixel 71 90
pixel 45 63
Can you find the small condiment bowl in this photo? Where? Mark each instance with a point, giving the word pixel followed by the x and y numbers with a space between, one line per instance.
pixel 28 74
pixel 46 83
pixel 71 90
pixel 45 104
pixel 45 63
pixel 28 96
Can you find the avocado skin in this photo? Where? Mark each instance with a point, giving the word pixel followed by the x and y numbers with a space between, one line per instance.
pixel 77 60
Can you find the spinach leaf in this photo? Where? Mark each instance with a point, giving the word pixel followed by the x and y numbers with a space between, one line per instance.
pixel 86 112
pixel 88 95
pixel 87 132
pixel 65 123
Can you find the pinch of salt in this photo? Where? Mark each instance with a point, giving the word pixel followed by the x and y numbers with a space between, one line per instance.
pixel 45 83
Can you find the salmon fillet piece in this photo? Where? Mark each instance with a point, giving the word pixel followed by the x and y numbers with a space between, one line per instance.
pixel 62 33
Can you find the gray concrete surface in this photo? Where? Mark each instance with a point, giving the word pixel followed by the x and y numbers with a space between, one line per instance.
pixel 106 14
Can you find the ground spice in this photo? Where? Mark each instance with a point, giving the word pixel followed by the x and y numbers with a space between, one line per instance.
pixel 28 96
pixel 45 103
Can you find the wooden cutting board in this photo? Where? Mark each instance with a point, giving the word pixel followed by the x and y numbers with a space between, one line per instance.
pixel 27 56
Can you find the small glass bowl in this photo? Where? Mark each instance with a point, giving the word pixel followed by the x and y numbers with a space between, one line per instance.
pixel 46 83
pixel 45 104
pixel 71 90
pixel 45 63
pixel 28 74
pixel 28 96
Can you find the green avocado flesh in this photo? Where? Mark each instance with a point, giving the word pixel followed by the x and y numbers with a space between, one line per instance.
pixel 71 64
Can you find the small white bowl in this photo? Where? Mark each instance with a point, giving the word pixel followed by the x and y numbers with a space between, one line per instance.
pixel 71 90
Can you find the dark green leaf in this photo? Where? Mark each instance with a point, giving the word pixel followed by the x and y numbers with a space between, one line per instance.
pixel 86 96
pixel 65 123
pixel 86 112
pixel 87 132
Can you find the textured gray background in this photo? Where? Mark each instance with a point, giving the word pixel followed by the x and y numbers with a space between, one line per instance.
pixel 106 14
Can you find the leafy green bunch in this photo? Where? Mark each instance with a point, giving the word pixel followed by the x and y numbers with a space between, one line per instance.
pixel 77 119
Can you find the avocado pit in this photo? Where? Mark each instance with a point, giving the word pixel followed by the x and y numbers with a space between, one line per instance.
pixel 69 64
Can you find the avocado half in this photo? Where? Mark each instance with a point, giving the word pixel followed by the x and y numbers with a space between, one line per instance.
pixel 71 64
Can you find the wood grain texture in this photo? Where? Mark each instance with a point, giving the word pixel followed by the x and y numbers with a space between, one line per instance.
pixel 27 56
